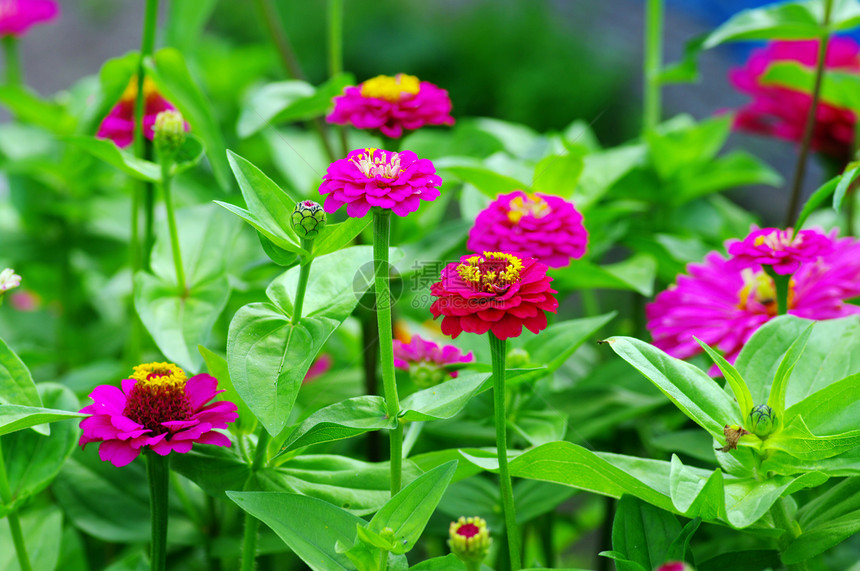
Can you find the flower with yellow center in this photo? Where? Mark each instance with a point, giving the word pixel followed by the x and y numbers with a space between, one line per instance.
pixel 494 272
pixel 532 205
pixel 130 93
pixel 759 287
pixel 391 88
pixel 372 164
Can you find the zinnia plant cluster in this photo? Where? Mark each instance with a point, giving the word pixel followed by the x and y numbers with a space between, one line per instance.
pixel 256 321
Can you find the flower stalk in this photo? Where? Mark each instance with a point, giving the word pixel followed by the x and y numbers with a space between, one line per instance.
pixel 252 524
pixel 304 273
pixel 14 522
pixel 498 349
pixel 14 74
pixel 653 63
pixel 809 127
pixel 166 179
pixel 335 56
pixel 381 237
pixel 158 472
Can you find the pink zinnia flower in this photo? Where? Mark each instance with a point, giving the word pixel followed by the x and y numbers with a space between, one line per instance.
pixel 17 16
pixel 392 105
pixel 425 360
pixel 723 305
pixel 675 566
pixel 781 112
pixel 542 226
pixel 373 177
pixel 157 407
pixel 497 292
pixel 118 126
pixel 776 248
pixel 320 367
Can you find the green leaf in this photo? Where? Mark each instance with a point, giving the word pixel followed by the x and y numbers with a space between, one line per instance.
pixel 214 468
pixel 688 387
pixel 679 549
pixel 167 68
pixel 785 21
pixel 750 560
pixel 776 399
pixel 732 170
pixel 107 151
pixel 186 21
pixel 686 70
pixel 482 177
pixel 845 181
pixel 408 512
pixel 268 356
pixel 643 533
pixel 114 77
pixel 449 562
pixel 636 273
pixel 335 236
pixel 736 382
pixel 289 101
pixel 15 417
pixel 217 367
pixel 310 527
pixel 16 383
pixel 340 420
pixel 682 143
pixel 558 174
pixel 444 400
pixel 815 200
pixel 818 539
pixel 42 531
pixel 26 105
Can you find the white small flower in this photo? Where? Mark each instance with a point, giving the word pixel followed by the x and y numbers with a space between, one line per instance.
pixel 8 280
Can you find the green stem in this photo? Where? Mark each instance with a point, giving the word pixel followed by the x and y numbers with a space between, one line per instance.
pixel 171 225
pixel 14 522
pixel 304 273
pixel 381 233
pixel 781 285
pixel 653 63
pixel 252 524
pixel 157 470
pixel 806 141
pixel 335 37
pixel 497 348
pixel 783 520
pixel 14 74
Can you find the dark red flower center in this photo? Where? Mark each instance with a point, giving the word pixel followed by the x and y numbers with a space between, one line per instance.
pixel 468 530
pixel 494 272
pixel 153 401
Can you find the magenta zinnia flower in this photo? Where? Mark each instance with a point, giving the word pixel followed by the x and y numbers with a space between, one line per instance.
pixel 392 105
pixel 542 226
pixel 675 566
pixel 497 292
pixel 425 360
pixel 320 367
pixel 118 126
pixel 776 248
pixel 781 112
pixel 373 177
pixel 157 407
pixel 18 16
pixel 723 305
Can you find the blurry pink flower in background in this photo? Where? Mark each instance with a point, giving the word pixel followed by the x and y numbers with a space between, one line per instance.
pixel 425 360
pixel 781 112
pixel 25 300
pixel 392 105
pixel 17 16
pixel 779 249
pixel 320 367
pixel 373 177
pixel 723 304
pixel 118 126
pixel 540 226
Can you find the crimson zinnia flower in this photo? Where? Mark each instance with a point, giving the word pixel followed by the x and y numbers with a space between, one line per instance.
pixel 18 16
pixel 723 305
pixel 373 177
pixel 118 126
pixel 542 226
pixel 392 105
pixel 778 249
pixel 781 112
pixel 497 292
pixel 425 360
pixel 157 407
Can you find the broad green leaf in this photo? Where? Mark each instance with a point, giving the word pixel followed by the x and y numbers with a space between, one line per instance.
pixel 558 174
pixel 15 417
pixel 838 88
pixel 408 512
pixel 16 383
pixel 732 170
pixel 840 500
pixel 340 420
pixel 636 273
pixel 785 21
pixel 845 181
pixel 642 532
pixel 167 68
pixel 539 426
pixel 559 341
pixel 820 538
pixel 736 382
pixel 691 389
pixel 310 527
pixel 517 139
pixel 288 101
pixel 679 549
pixel 686 70
pixel 448 562
pixel 602 170
pixel 621 563
pixel 186 21
pixel 444 400
pixel 268 355
pixel 335 236
pixel 832 410
pixel 776 399
pixel 26 105
pixel 33 460
pixel 817 199
pixel 217 367
pixel 749 560
pixel 42 530
pixel 107 151
pixel 215 469
pixel 798 441
pixel 681 143
pixel 480 176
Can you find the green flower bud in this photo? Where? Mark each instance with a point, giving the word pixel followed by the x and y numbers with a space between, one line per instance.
pixel 426 374
pixel 518 359
pixel 469 539
pixel 308 219
pixel 169 132
pixel 762 420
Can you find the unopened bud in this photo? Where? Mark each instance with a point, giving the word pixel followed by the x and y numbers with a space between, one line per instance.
pixel 169 132
pixel 308 219
pixel 9 280
pixel 762 420
pixel 518 358
pixel 426 374
pixel 469 539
